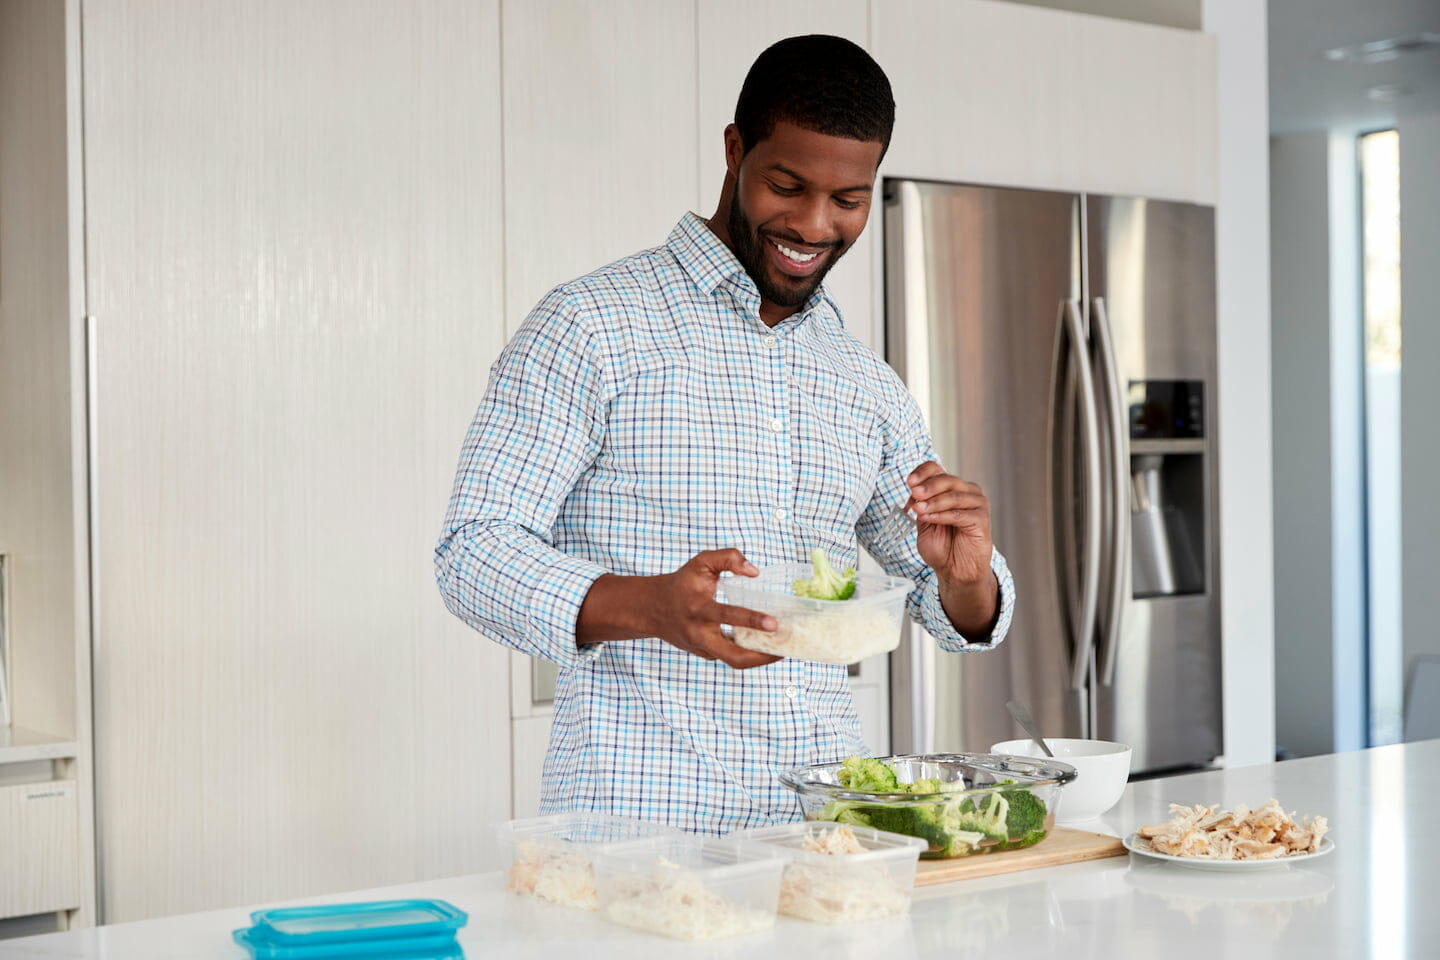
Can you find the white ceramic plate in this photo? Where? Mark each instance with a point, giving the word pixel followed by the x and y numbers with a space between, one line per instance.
pixel 1135 845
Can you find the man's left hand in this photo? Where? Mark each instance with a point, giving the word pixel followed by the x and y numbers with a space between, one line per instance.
pixel 952 523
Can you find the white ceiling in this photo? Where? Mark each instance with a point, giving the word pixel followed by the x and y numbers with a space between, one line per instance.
pixel 1310 92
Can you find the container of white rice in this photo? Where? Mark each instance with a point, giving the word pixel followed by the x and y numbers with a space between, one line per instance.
pixel 826 631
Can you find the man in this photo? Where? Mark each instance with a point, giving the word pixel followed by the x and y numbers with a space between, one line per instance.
pixel 695 410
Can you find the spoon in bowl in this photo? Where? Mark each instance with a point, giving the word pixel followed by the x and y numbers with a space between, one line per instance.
pixel 1021 713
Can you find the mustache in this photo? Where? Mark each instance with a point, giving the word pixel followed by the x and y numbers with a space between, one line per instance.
pixel 795 239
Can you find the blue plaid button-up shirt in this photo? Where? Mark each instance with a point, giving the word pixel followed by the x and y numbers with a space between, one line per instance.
pixel 645 413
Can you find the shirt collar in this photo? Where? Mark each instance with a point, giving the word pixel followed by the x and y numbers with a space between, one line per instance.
pixel 709 263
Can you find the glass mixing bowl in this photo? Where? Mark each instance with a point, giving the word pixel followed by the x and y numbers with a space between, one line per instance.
pixel 985 803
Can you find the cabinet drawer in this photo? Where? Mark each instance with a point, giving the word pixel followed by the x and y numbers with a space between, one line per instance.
pixel 39 868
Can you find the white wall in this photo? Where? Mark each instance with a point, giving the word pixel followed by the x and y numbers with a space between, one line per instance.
pixel 1318 456
pixel 1243 305
pixel 1420 380
pixel 1300 317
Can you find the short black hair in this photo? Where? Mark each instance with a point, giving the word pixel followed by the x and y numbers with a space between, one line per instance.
pixel 821 83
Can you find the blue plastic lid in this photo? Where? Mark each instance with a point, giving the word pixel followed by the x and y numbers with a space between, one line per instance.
pixel 351 922
pixel 436 946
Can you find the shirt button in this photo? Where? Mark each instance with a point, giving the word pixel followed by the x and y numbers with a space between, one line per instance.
pixel 779 514
pixel 771 340
pixel 777 425
pixel 792 691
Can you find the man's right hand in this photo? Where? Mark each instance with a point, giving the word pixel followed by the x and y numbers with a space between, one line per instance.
pixel 679 608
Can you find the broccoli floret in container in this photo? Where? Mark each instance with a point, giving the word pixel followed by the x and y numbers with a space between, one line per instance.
pixel 826 584
pixel 988 817
pixel 1026 820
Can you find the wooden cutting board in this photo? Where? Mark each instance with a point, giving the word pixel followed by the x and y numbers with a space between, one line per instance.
pixel 1062 846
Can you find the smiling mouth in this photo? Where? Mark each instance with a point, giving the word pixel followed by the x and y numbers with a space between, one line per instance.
pixel 793 254
pixel 797 263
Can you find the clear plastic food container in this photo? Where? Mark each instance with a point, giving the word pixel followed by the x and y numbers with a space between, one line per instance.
pixel 689 888
pixel 837 873
pixel 987 803
pixel 826 631
pixel 550 857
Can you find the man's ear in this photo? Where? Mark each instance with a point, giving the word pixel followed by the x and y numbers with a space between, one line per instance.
pixel 734 150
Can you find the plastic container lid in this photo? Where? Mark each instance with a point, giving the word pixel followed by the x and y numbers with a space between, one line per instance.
pixel 355 922
pixel 435 946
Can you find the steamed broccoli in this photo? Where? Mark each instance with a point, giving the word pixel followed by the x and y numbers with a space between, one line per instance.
pixel 949 831
pixel 873 776
pixel 1027 813
pixel 826 584
pixel 844 811
pixel 986 818
pixel 932 823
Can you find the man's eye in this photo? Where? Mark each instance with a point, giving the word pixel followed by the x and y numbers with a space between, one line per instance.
pixel 847 204
pixel 784 191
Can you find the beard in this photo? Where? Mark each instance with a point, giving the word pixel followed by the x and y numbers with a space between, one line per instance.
pixel 750 251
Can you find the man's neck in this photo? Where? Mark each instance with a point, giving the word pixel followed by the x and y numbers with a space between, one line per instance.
pixel 771 314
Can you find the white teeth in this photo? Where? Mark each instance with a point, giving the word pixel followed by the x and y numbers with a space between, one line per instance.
pixel 795 255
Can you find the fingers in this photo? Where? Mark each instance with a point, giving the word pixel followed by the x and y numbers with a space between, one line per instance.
pixel 741 617
pixel 716 562
pixel 923 472
pixel 939 492
pixel 951 501
pixel 738 657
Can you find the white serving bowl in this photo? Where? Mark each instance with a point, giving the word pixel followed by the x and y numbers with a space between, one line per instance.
pixel 1103 768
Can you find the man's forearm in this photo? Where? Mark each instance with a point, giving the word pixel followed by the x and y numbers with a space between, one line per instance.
pixel 973 608
pixel 617 608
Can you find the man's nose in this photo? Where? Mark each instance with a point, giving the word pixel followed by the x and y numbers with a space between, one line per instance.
pixel 811 220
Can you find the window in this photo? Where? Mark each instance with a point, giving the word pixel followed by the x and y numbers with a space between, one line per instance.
pixel 1380 255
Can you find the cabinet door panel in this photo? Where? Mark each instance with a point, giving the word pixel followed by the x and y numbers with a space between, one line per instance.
pixel 293 231
pixel 599 136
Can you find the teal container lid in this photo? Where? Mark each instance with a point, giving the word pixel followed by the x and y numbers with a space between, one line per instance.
pixel 436 946
pixel 356 922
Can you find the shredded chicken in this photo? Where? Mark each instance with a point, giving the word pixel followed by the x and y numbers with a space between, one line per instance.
pixel 839 892
pixel 559 873
pixel 841 840
pixel 1239 834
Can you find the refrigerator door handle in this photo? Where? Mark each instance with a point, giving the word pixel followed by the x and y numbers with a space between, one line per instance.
pixel 1117 491
pixel 1084 624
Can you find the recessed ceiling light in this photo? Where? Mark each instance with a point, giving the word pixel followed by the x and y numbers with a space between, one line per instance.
pixel 1380 51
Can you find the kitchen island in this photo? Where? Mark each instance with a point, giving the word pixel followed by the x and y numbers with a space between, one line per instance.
pixel 1374 896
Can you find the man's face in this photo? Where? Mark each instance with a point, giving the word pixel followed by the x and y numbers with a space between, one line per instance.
pixel 801 201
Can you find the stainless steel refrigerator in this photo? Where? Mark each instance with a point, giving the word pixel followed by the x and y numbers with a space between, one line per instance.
pixel 1062 348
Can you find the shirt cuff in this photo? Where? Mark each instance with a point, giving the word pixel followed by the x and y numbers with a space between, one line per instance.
pixel 555 608
pixel 932 616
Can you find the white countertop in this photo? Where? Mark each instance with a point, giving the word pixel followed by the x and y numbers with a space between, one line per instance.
pixel 1377 895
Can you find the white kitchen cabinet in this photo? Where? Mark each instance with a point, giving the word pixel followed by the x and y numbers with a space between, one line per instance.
pixel 998 93
pixel 294 264
pixel 39 834
pixel 599 139
pixel 45 828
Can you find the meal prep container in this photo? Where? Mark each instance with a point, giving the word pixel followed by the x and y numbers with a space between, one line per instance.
pixel 688 887
pixel 383 928
pixel 551 857
pixel 840 887
pixel 978 777
pixel 826 631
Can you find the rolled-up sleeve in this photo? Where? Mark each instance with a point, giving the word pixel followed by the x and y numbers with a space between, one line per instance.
pixel 889 536
pixel 537 429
